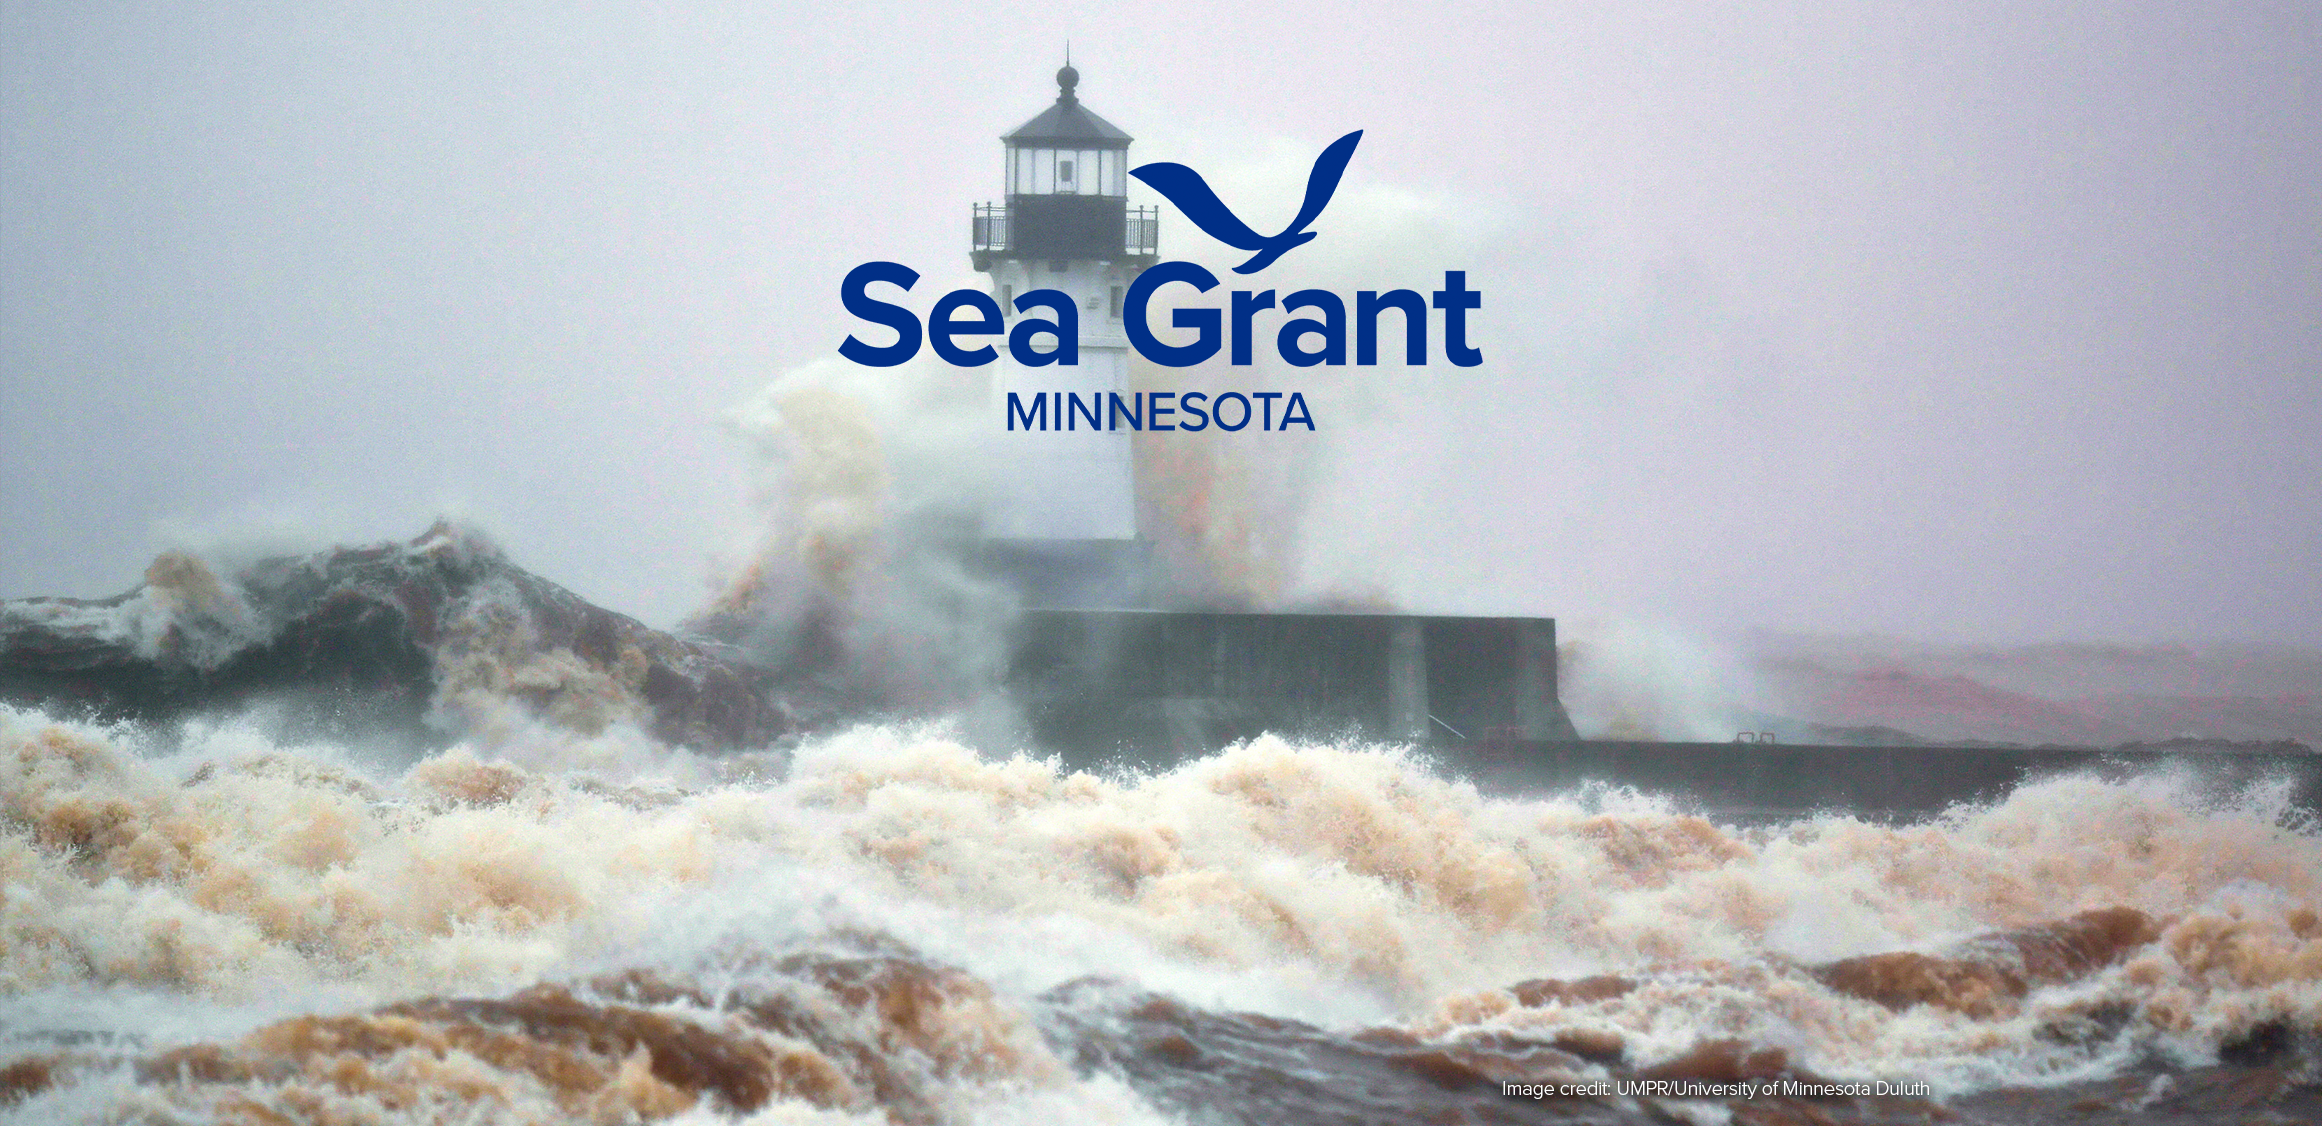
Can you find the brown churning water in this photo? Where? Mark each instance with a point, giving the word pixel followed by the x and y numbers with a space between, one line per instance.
pixel 889 927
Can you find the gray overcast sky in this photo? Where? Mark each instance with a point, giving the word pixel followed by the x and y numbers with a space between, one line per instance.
pixel 1956 320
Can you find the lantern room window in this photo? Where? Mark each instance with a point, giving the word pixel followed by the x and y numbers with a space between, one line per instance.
pixel 1057 171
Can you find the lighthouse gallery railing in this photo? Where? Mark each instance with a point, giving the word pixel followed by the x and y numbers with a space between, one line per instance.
pixel 989 230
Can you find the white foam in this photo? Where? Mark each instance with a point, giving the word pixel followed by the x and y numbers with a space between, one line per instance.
pixel 231 880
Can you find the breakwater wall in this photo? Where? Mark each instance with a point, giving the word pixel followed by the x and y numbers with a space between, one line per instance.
pixel 1782 780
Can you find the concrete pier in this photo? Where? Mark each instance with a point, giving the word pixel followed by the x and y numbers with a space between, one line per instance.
pixel 1153 688
pixel 1154 685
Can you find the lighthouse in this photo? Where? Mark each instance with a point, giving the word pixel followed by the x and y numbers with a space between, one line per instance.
pixel 1065 526
pixel 1093 664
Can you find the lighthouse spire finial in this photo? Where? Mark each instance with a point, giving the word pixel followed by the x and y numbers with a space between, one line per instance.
pixel 1067 78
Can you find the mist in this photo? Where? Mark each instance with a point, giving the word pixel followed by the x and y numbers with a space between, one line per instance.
pixel 1982 325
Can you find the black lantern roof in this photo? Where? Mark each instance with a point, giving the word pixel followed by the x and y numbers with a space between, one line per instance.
pixel 1068 124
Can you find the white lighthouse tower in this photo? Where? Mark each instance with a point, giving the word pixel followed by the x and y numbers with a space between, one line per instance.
pixel 1067 526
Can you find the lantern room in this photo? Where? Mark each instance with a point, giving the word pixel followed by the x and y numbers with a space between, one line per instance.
pixel 1067 178
pixel 1067 150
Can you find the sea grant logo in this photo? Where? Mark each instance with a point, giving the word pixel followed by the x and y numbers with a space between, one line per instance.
pixel 1067 246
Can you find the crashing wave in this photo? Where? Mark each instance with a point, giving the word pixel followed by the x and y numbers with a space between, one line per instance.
pixel 427 639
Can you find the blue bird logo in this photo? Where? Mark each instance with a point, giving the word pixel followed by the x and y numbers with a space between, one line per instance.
pixel 1184 187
